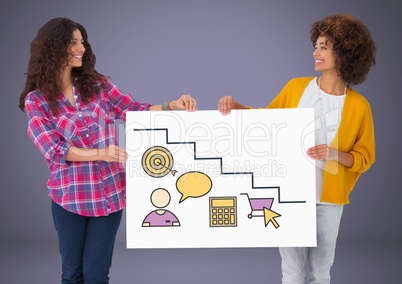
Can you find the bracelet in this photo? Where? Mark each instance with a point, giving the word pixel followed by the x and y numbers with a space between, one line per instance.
pixel 165 106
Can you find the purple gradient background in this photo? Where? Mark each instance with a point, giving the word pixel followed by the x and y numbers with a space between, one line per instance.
pixel 157 50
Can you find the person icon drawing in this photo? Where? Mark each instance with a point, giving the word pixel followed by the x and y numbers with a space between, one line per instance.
pixel 160 217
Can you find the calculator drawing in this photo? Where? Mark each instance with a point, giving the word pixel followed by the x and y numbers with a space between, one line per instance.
pixel 223 211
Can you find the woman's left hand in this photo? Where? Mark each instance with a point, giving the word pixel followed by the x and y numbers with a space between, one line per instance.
pixel 185 102
pixel 324 153
pixel 319 152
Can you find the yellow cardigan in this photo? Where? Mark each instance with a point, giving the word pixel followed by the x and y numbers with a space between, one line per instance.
pixel 355 136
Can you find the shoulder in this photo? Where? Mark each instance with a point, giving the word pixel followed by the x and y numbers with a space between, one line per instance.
pixel 357 99
pixel 300 81
pixel 36 104
pixel 297 85
pixel 35 97
pixel 102 89
pixel 109 86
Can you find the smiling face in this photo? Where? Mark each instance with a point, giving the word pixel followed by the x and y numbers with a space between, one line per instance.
pixel 76 49
pixel 324 56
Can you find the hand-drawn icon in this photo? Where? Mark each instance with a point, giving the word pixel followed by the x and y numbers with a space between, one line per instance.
pixel 269 216
pixel 157 162
pixel 261 207
pixel 223 211
pixel 160 198
pixel 193 184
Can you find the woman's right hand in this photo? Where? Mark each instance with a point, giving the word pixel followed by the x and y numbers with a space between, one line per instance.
pixel 226 104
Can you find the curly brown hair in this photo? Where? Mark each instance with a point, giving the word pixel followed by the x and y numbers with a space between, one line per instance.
pixel 353 46
pixel 49 55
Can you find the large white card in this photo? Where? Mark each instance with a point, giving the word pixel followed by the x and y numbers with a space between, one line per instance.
pixel 201 179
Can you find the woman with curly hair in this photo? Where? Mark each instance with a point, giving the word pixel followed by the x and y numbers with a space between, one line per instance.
pixel 71 109
pixel 345 143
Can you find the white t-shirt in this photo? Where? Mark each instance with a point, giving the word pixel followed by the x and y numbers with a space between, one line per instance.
pixel 327 115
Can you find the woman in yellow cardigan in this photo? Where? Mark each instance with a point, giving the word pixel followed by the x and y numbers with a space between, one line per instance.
pixel 345 144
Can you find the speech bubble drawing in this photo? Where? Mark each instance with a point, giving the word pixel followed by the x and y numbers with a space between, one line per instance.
pixel 193 184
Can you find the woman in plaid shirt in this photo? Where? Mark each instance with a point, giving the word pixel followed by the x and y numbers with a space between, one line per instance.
pixel 71 109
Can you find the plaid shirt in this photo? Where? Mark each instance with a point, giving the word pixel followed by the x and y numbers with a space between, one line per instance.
pixel 86 188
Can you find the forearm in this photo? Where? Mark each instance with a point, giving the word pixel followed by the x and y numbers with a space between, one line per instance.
pixel 341 157
pixel 169 106
pixel 323 152
pixel 155 107
pixel 185 102
pixel 238 105
pixel 75 154
pixel 112 153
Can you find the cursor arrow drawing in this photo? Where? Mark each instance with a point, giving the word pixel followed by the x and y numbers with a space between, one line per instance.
pixel 269 216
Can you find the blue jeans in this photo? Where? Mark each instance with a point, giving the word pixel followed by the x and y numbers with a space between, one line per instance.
pixel 86 245
pixel 297 261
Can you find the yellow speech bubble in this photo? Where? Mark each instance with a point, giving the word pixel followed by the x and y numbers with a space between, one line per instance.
pixel 193 184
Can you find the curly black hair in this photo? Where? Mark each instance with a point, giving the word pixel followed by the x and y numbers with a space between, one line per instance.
pixel 49 54
pixel 353 46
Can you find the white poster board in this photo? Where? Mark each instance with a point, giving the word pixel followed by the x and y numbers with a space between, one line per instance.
pixel 201 179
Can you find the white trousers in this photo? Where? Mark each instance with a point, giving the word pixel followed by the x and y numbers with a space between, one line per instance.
pixel 317 261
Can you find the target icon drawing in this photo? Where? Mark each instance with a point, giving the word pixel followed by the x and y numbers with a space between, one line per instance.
pixel 157 162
